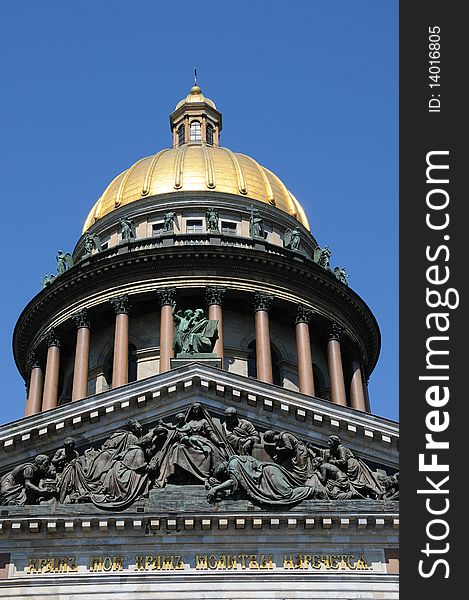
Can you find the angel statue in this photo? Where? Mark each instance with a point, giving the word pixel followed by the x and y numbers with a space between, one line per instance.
pixel 91 242
pixel 64 262
pixel 211 219
pixel 47 280
pixel 127 229
pixel 341 274
pixel 322 256
pixel 169 220
pixel 256 224
pixel 292 239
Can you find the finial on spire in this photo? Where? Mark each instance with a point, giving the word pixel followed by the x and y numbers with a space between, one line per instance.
pixel 195 75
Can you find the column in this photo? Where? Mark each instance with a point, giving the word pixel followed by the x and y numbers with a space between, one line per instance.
pixel 336 373
pixel 357 395
pixel 262 304
pixel 51 380
pixel 120 367
pixel 167 299
pixel 214 297
pixel 36 379
pixel 186 130
pixel 303 350
pixel 203 127
pixel 82 356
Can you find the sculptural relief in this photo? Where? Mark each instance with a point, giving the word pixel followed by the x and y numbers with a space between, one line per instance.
pixel 196 449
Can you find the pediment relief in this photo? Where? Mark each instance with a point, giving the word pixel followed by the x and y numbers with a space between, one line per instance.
pixel 193 441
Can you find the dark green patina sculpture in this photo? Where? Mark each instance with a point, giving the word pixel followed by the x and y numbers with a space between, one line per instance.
pixel 341 274
pixel 292 238
pixel 64 262
pixel 211 220
pixel 47 280
pixel 91 242
pixel 128 232
pixel 169 220
pixel 193 332
pixel 196 449
pixel 256 224
pixel 322 256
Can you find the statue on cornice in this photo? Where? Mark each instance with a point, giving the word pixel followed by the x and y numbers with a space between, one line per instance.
pixel 128 231
pixel 169 221
pixel 341 275
pixel 256 224
pixel 240 433
pixel 211 219
pixel 47 280
pixel 91 242
pixel 292 239
pixel 64 262
pixel 322 256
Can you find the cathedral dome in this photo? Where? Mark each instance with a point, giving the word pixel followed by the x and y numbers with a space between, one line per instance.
pixel 196 167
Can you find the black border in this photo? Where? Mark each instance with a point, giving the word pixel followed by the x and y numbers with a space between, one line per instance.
pixel 421 132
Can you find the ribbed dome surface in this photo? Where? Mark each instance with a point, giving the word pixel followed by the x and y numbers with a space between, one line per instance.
pixel 196 167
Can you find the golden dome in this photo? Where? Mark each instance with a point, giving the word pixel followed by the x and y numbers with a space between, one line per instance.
pixel 196 167
pixel 195 95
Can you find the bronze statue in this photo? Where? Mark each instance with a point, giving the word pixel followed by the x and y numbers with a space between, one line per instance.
pixel 341 275
pixel 288 450
pixel 335 481
pixel 256 224
pixel 47 280
pixel 211 219
pixel 240 433
pixel 193 333
pixel 263 483
pixel 64 262
pixel 22 485
pixel 91 242
pixel 169 220
pixel 322 256
pixel 292 239
pixel 359 474
pixel 128 230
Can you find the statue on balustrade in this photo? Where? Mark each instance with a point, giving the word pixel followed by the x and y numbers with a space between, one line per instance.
pixel 91 242
pixel 22 485
pixel 128 230
pixel 322 257
pixel 211 219
pixel 240 433
pixel 64 262
pixel 341 275
pixel 47 280
pixel 256 224
pixel 292 239
pixel 193 333
pixel 169 221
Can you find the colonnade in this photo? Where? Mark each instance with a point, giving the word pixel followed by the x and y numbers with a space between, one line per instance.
pixel 44 386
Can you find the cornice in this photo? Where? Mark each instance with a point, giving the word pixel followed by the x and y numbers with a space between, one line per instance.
pixel 145 266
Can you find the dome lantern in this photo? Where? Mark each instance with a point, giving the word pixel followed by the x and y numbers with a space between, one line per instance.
pixel 195 120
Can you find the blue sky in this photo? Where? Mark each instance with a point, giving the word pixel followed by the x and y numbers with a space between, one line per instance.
pixel 308 88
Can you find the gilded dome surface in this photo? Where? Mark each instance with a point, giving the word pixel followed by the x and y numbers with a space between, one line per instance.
pixel 196 167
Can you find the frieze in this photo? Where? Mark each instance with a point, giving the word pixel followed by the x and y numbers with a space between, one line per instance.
pixel 194 449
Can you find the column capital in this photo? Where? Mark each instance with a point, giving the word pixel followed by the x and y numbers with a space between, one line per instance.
pixel 262 301
pixel 81 319
pixel 335 331
pixel 303 314
pixel 51 338
pixel 120 304
pixel 33 360
pixel 215 295
pixel 166 296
